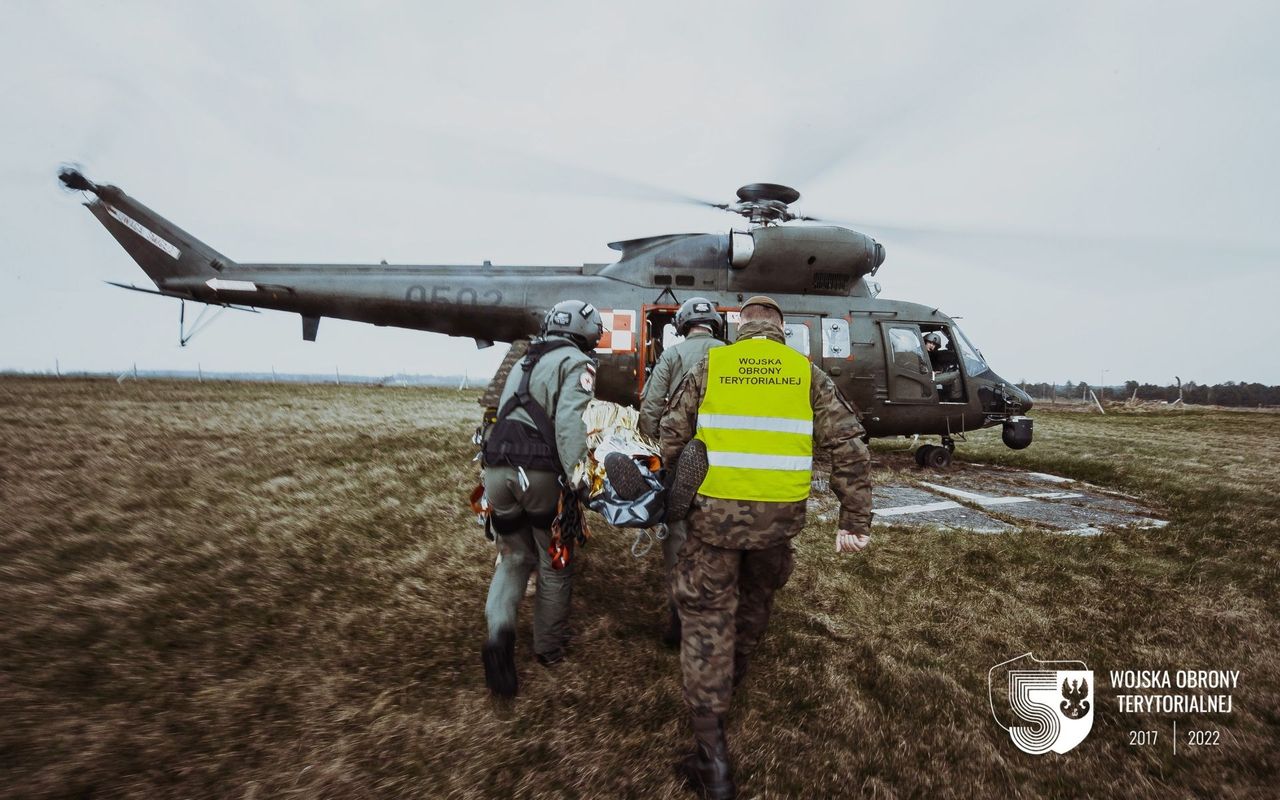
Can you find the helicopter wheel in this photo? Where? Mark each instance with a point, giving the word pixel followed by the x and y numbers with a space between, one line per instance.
pixel 922 453
pixel 938 458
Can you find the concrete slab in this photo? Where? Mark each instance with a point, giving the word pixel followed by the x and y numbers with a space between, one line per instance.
pixel 1119 505
pixel 994 482
pixel 989 499
pixel 1044 477
pixel 1086 511
pixel 1065 517
pixel 905 505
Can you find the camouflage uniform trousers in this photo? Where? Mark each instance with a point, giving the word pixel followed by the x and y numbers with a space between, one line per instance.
pixel 523 549
pixel 677 532
pixel 724 596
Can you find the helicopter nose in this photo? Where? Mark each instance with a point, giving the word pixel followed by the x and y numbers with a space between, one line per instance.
pixel 1023 398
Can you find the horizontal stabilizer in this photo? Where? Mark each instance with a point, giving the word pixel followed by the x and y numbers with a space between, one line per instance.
pixel 178 295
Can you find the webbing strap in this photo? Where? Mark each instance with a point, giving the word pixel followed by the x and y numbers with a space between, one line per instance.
pixel 522 398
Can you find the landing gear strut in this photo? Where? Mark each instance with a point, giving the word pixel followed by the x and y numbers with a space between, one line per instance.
pixel 931 455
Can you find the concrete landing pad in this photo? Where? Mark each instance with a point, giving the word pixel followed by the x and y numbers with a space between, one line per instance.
pixel 913 506
pixel 992 500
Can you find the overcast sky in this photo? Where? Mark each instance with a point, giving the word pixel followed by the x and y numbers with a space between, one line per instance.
pixel 1090 186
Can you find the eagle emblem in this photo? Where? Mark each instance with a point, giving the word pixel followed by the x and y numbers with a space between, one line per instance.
pixel 1076 692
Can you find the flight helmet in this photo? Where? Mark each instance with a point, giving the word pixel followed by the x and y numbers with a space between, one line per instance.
pixel 698 311
pixel 576 320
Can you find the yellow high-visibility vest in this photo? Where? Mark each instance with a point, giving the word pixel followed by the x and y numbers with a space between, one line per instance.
pixel 757 422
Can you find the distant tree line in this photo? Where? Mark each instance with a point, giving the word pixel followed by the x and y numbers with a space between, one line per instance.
pixel 1220 394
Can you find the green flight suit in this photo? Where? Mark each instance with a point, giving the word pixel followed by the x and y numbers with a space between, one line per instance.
pixel 563 383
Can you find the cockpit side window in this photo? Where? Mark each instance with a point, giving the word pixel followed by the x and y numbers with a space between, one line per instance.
pixel 908 352
pixel 974 363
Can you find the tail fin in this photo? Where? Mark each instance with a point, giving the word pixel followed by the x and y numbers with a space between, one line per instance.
pixel 162 249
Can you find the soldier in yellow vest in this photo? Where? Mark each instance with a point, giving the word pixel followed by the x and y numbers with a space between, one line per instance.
pixel 760 408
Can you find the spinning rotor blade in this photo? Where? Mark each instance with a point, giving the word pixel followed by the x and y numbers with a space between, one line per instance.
pixel 852 118
pixel 630 187
pixel 570 179
pixel 473 161
pixel 1047 245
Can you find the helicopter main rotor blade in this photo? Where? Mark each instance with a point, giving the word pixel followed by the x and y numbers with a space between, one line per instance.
pixel 853 116
pixel 1137 249
pixel 586 180
pixel 473 161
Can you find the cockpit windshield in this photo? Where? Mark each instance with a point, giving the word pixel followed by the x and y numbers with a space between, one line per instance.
pixel 974 364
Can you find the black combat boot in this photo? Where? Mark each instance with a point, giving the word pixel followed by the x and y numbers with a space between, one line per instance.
pixel 671 638
pixel 690 470
pixel 706 769
pixel 499 656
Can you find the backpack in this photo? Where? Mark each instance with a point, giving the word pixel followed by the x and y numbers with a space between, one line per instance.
pixel 512 443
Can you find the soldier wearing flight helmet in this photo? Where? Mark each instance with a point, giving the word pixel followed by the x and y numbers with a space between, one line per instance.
pixel 946 371
pixel 702 328
pixel 529 455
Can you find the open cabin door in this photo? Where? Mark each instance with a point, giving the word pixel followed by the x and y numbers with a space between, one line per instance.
pixel 657 332
pixel 910 376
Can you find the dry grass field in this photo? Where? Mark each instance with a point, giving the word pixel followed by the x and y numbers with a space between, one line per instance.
pixel 256 591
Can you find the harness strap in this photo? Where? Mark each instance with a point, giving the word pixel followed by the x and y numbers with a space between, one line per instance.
pixel 523 399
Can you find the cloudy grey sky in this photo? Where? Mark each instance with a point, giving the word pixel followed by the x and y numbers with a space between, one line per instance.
pixel 1091 186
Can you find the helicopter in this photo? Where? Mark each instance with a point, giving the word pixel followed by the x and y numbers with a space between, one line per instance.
pixel 874 349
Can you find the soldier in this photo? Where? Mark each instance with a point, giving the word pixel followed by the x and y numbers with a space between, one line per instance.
pixel 946 372
pixel 702 328
pixel 760 408
pixel 530 452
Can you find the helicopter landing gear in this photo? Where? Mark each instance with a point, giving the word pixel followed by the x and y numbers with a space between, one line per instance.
pixel 931 455
pixel 938 458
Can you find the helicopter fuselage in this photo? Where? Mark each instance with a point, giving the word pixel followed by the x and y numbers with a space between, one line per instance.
pixel 871 347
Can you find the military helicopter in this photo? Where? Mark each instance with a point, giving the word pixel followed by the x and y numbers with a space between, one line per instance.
pixel 873 349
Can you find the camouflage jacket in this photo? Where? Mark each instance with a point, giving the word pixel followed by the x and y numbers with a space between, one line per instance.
pixel 563 383
pixel 757 524
pixel 676 362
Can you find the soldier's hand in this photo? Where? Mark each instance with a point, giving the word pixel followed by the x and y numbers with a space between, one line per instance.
pixel 847 542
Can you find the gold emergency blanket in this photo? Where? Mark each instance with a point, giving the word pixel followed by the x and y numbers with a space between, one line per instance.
pixel 612 428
